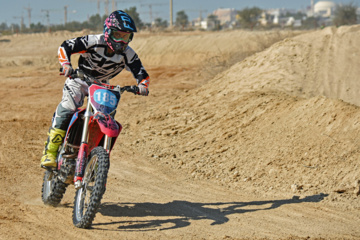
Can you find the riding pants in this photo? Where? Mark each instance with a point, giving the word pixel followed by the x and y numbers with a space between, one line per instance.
pixel 74 93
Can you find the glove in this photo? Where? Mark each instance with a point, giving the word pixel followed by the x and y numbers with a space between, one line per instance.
pixel 67 69
pixel 144 87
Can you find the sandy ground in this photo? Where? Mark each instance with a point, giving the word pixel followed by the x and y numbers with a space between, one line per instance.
pixel 245 135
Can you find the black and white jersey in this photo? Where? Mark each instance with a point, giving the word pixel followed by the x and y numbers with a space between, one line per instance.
pixel 94 62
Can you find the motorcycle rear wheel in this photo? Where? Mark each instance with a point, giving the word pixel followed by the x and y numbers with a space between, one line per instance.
pixel 53 189
pixel 88 197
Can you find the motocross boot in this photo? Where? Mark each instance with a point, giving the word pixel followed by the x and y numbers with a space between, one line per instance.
pixel 55 139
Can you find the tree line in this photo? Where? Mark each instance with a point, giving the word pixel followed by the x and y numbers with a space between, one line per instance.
pixel 247 18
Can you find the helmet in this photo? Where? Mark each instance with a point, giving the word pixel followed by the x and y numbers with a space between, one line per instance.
pixel 119 30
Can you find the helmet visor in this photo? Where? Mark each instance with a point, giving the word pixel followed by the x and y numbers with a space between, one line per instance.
pixel 119 36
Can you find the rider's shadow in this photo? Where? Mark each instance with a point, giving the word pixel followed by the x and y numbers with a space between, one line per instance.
pixel 177 214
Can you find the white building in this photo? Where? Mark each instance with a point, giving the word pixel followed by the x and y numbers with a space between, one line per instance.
pixel 276 16
pixel 324 8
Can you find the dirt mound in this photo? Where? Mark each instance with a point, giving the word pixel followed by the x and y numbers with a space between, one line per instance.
pixel 273 120
pixel 323 63
pixel 196 48
pixel 154 49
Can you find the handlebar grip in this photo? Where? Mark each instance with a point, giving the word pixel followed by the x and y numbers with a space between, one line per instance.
pixel 73 74
pixel 133 89
pixel 136 89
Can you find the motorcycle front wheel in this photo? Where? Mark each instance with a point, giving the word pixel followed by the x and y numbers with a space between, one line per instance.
pixel 88 197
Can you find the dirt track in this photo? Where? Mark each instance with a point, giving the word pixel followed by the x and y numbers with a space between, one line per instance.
pixel 245 135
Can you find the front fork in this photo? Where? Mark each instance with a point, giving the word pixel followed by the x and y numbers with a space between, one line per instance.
pixel 84 148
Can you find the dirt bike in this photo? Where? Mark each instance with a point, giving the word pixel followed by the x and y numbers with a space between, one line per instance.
pixel 83 158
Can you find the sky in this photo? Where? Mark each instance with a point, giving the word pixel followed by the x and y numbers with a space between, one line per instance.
pixel 11 11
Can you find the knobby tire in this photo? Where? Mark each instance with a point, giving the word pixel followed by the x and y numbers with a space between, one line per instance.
pixel 84 212
pixel 52 190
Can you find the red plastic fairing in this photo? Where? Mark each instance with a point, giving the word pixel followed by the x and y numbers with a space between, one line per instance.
pixel 100 125
pixel 95 135
pixel 73 120
pixel 107 125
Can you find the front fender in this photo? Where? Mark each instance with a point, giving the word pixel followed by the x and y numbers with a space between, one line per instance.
pixel 107 124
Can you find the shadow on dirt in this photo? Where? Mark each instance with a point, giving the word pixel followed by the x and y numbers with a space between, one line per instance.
pixel 178 214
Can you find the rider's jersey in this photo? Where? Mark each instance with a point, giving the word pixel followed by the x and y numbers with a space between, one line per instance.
pixel 95 63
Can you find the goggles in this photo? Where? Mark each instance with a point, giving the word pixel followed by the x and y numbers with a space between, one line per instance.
pixel 119 36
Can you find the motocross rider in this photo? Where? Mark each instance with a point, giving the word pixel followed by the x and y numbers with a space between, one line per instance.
pixel 103 56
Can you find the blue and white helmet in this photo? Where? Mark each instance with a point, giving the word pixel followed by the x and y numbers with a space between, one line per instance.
pixel 119 21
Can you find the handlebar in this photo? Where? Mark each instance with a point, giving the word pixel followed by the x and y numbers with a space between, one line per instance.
pixel 91 80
